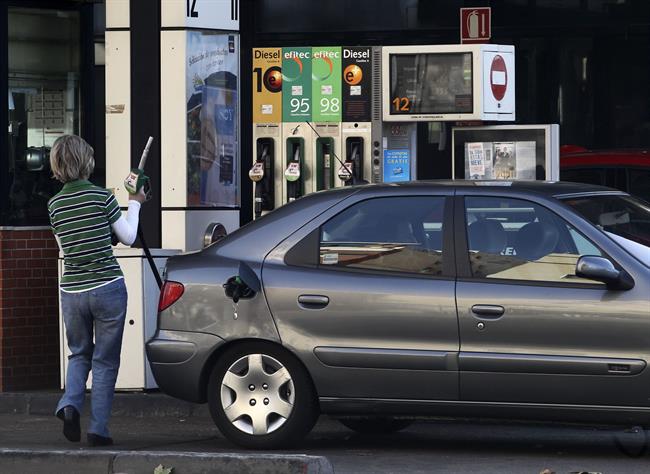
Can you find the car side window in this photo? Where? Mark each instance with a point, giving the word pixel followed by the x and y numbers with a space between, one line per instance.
pixel 394 234
pixel 515 239
pixel 639 183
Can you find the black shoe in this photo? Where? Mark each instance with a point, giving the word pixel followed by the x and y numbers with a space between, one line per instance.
pixel 71 427
pixel 97 440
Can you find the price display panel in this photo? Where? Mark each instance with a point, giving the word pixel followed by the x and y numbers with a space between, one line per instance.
pixel 431 84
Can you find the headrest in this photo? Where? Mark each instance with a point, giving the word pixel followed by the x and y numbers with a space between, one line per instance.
pixel 534 240
pixel 487 236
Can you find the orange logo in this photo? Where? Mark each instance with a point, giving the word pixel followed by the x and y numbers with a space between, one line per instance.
pixel 352 74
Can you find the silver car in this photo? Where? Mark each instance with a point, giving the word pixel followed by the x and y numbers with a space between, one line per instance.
pixel 381 303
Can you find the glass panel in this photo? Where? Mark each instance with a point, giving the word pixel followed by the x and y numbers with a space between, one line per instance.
pixel 212 71
pixel 402 234
pixel 624 218
pixel 519 240
pixel 640 183
pixel 43 105
pixel 433 83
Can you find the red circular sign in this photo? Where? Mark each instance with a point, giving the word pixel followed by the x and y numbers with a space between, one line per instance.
pixel 498 77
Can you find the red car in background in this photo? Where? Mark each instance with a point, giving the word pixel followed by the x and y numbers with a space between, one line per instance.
pixel 627 170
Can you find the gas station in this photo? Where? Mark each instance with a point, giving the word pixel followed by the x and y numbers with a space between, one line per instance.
pixel 322 117
pixel 252 107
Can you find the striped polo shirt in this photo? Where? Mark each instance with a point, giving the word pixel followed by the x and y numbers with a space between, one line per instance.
pixel 81 216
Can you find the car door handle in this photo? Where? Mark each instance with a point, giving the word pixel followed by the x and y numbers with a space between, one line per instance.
pixel 488 311
pixel 313 301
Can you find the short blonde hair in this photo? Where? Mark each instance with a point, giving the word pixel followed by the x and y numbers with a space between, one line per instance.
pixel 71 158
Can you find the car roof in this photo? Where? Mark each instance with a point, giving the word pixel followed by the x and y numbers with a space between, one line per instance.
pixel 546 188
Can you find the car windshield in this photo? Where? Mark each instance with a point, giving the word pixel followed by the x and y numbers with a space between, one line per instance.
pixel 624 218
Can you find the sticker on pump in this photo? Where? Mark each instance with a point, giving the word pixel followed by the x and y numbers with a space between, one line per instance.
pixel 292 173
pixel 344 171
pixel 257 171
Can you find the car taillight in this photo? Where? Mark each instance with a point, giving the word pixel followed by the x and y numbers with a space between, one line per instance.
pixel 171 291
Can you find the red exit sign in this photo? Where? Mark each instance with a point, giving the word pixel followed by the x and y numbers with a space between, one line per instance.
pixel 475 25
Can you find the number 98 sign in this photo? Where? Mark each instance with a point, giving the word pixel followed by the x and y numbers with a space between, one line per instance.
pixel 328 105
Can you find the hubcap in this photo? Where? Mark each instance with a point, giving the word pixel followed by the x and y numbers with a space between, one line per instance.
pixel 257 394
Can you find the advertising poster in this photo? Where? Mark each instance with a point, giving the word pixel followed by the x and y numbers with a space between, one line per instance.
pixel 212 70
pixel 267 85
pixel 397 166
pixel 296 85
pixel 357 84
pixel 505 160
pixel 500 160
pixel 476 157
pixel 326 84
pixel 526 159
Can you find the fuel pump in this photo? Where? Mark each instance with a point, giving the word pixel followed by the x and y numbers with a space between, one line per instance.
pixel 263 175
pixel 324 174
pixel 267 173
pixel 298 171
pixel 326 149
pixel 294 173
pixel 354 159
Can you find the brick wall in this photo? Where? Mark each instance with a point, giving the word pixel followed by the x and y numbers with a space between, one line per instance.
pixel 29 324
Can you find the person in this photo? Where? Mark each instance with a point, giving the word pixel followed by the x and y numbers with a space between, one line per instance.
pixel 92 289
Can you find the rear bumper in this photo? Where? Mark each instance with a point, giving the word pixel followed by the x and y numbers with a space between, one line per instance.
pixel 177 361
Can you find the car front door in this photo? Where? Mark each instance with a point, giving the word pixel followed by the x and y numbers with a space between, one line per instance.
pixel 531 331
pixel 364 295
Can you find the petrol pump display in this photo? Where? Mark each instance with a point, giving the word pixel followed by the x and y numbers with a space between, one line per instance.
pixel 267 85
pixel 326 84
pixel 357 84
pixel 356 129
pixel 448 83
pixel 267 140
pixel 297 87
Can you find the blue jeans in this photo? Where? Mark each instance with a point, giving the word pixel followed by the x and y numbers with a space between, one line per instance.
pixel 105 309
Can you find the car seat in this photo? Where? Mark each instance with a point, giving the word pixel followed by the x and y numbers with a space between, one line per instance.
pixel 487 236
pixel 535 240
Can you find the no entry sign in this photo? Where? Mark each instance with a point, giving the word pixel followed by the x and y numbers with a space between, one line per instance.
pixel 475 25
pixel 498 77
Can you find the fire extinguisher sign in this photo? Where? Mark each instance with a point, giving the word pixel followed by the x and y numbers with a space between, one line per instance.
pixel 475 25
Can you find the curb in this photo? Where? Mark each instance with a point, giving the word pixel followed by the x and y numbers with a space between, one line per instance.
pixel 20 461
pixel 132 404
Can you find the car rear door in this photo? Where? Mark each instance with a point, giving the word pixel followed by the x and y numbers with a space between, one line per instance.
pixel 531 331
pixel 364 295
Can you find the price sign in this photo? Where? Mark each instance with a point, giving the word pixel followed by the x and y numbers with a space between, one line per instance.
pixel 296 84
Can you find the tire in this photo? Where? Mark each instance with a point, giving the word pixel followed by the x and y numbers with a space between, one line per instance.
pixel 376 425
pixel 255 409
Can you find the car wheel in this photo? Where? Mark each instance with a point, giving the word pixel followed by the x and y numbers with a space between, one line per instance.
pixel 375 425
pixel 261 397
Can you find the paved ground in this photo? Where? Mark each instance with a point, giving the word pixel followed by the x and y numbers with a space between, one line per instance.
pixel 431 446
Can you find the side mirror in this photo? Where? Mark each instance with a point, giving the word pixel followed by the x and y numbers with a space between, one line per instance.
pixel 601 269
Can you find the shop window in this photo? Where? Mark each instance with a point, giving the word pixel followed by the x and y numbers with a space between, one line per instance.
pixel 44 66
pixel 401 234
